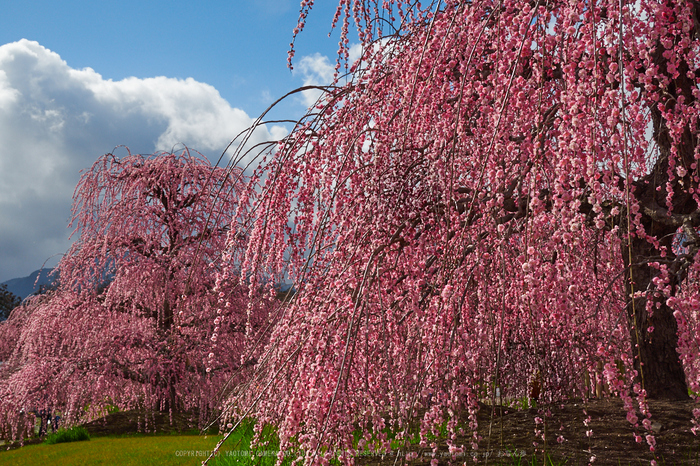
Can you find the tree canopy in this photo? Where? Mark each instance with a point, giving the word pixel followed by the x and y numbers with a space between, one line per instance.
pixel 8 301
pixel 504 194
pixel 138 306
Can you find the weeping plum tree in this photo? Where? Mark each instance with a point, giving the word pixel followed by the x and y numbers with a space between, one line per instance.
pixel 503 194
pixel 138 307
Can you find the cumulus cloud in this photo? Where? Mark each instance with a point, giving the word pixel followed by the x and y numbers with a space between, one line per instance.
pixel 317 70
pixel 56 120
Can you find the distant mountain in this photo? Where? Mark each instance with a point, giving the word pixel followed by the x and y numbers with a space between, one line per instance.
pixel 23 287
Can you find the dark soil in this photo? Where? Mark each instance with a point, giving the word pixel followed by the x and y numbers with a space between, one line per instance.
pixel 612 442
pixel 142 422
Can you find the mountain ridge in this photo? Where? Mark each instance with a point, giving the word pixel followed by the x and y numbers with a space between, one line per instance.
pixel 25 286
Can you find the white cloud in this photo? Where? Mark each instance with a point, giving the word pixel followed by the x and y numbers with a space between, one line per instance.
pixel 316 70
pixel 193 111
pixel 56 120
pixel 354 53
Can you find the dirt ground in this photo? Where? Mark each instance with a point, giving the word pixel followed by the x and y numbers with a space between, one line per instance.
pixel 144 422
pixel 612 439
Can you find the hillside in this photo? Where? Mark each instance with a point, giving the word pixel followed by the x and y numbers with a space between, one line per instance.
pixel 25 286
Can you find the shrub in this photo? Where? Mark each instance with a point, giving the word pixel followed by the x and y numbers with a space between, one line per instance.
pixel 74 434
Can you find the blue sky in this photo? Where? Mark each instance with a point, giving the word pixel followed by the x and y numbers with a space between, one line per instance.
pixel 239 47
pixel 78 78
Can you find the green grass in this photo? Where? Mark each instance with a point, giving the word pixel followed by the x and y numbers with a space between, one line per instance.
pixel 171 449
pixel 74 434
pixel 135 450
pixel 240 452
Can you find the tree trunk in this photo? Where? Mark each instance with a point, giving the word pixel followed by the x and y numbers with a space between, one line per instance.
pixel 661 371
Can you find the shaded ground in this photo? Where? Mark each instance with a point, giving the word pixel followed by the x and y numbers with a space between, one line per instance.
pixel 144 422
pixel 612 439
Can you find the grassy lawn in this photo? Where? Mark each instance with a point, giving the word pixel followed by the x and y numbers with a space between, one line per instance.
pixel 127 450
